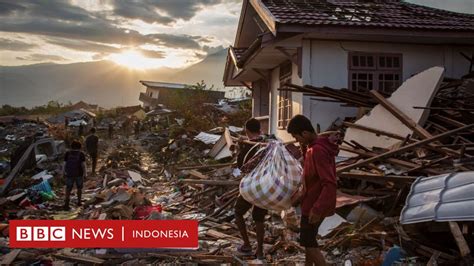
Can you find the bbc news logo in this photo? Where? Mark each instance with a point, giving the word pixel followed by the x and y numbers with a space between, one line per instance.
pixel 40 233
pixel 104 234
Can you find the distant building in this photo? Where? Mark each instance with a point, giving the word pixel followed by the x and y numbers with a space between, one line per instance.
pixel 84 105
pixel 159 92
pixel 132 111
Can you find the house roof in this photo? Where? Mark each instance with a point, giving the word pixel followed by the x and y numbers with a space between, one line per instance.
pixel 84 105
pixel 380 14
pixel 157 84
pixel 440 198
pixel 269 29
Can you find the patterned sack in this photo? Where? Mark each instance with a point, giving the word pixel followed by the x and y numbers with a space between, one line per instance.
pixel 274 180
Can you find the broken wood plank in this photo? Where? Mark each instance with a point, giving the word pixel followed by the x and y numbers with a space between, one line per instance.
pixel 378 178
pixel 68 255
pixel 406 120
pixel 213 257
pixel 204 166
pixel 403 149
pixel 10 257
pixel 218 235
pixel 430 163
pixel 210 182
pixel 460 240
pixel 198 174
pixel 394 161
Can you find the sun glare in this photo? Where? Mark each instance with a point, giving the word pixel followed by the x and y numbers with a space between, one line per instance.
pixel 135 60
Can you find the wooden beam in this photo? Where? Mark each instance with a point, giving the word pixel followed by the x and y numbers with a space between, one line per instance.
pixel 406 120
pixel 210 182
pixel 460 240
pixel 378 178
pixel 432 162
pixel 10 257
pixel 245 84
pixel 204 166
pixel 404 148
pixel 198 174
pixel 399 162
pixel 262 74
pixel 287 55
pixel 444 108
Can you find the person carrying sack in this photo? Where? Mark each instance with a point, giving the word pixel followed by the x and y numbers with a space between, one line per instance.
pixel 74 169
pixel 246 152
pixel 319 184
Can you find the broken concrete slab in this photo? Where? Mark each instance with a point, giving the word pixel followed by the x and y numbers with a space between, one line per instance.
pixel 418 90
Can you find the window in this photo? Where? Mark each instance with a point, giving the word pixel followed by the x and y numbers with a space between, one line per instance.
pixel 284 100
pixel 382 72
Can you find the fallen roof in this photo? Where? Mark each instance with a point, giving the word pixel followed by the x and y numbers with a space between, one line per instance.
pixel 440 198
pixel 382 14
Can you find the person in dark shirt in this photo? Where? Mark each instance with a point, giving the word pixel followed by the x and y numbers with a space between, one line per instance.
pixel 74 168
pixel 319 183
pixel 80 131
pixel 252 130
pixel 92 144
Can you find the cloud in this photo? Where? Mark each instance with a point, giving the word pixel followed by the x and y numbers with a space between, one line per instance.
pixel 14 45
pixel 141 12
pixel 52 9
pixel 42 57
pixel 177 41
pixel 152 53
pixel 9 8
pixel 94 29
pixel 83 46
pixel 213 50
pixel 160 11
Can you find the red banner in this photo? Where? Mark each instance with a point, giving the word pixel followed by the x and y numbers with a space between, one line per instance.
pixel 103 234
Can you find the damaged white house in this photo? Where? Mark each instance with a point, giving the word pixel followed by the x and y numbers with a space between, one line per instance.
pixel 358 45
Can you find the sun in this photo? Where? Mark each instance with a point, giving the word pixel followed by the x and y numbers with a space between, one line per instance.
pixel 136 60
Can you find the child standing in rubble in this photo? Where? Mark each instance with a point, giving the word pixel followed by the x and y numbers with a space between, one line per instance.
pixel 253 132
pixel 319 189
pixel 74 169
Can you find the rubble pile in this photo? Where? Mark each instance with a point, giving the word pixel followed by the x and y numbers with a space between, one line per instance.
pixel 397 162
pixel 386 153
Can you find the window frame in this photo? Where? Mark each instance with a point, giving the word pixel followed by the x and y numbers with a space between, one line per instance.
pixel 376 71
pixel 285 99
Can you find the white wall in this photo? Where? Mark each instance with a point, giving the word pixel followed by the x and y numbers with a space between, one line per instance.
pixel 155 92
pixel 325 64
pixel 296 97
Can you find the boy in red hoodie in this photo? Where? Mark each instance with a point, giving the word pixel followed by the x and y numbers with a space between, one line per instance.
pixel 319 177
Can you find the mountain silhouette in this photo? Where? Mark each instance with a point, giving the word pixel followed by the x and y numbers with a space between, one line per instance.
pixel 98 82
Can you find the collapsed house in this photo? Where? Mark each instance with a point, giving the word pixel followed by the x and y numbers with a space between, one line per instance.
pixel 74 118
pixel 357 45
pixel 160 92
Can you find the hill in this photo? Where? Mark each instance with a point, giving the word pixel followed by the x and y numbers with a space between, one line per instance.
pixel 99 82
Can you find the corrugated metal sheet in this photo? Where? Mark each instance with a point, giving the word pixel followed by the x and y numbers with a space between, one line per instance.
pixel 442 198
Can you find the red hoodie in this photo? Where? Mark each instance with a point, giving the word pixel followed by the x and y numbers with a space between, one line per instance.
pixel 319 175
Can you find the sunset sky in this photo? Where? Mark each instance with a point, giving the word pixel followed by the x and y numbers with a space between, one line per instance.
pixel 137 34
